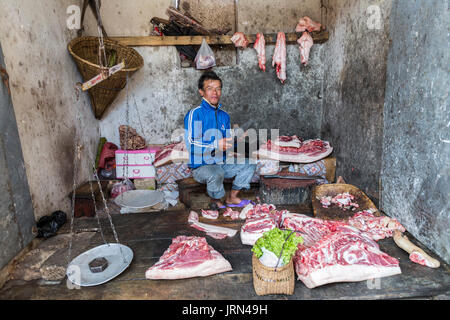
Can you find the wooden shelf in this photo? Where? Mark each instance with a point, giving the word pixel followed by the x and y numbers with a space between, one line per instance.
pixel 318 37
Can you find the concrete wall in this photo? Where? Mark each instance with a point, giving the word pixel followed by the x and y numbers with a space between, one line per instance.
pixel 34 37
pixel 416 150
pixel 16 210
pixel 164 91
pixel 354 88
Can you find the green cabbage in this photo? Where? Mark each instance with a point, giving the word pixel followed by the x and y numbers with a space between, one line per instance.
pixel 274 239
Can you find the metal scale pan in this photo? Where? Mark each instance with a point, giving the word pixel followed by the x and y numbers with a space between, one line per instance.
pixel 139 199
pixel 118 259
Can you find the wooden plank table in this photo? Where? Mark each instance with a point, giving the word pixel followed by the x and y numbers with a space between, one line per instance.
pixel 150 234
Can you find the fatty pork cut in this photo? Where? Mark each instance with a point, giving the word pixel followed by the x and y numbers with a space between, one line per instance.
pixel 260 47
pixel 279 56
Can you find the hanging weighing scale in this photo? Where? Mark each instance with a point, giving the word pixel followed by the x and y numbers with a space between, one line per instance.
pixel 104 262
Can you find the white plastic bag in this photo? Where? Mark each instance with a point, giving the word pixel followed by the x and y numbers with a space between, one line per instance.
pixel 205 57
pixel 121 187
pixel 269 259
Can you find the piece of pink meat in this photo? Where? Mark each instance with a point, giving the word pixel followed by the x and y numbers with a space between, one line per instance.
pixel 240 40
pixel 334 251
pixel 305 42
pixel 306 24
pixel 260 47
pixel 170 153
pixel 188 257
pixel 234 215
pixel 343 255
pixel 279 56
pixel 208 228
pixel 210 214
pixel 417 257
pixel 377 227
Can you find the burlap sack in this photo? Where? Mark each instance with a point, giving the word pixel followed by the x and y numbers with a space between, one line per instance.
pixel 130 140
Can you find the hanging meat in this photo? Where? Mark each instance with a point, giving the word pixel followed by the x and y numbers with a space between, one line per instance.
pixel 240 40
pixel 306 24
pixel 279 56
pixel 305 42
pixel 260 47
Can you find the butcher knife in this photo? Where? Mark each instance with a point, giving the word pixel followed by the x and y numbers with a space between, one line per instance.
pixel 293 177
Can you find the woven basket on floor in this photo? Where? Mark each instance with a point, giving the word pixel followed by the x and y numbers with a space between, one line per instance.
pixel 84 51
pixel 273 280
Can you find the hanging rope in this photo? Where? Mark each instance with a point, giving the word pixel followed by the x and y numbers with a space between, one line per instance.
pixel 137 112
pixel 127 121
pixel 95 209
pixel 101 47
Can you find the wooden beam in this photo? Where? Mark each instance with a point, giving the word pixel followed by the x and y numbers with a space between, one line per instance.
pixel 318 37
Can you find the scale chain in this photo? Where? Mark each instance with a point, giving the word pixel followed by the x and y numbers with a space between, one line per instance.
pixel 75 172
pixel 95 209
pixel 137 112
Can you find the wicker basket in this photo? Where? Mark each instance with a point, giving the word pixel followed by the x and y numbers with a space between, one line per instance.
pixel 84 51
pixel 273 280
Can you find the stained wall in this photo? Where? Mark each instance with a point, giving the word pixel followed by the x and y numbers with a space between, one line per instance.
pixel 16 209
pixel 42 76
pixel 354 88
pixel 416 135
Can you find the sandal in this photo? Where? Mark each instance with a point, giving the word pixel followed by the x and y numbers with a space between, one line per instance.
pixel 241 204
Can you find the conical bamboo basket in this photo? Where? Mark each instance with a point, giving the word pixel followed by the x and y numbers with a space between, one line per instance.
pixel 84 51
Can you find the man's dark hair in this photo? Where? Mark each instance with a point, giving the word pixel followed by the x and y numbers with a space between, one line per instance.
pixel 208 75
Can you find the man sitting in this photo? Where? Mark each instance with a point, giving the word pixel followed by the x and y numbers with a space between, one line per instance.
pixel 208 136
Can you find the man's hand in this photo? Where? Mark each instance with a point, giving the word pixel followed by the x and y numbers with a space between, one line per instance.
pixel 225 144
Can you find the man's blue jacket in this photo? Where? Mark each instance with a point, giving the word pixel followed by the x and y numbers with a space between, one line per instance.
pixel 204 126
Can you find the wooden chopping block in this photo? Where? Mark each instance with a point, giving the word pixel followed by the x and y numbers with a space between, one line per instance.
pixel 334 212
